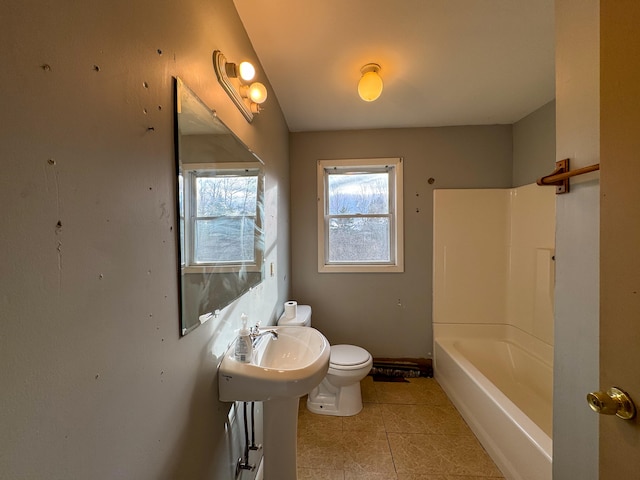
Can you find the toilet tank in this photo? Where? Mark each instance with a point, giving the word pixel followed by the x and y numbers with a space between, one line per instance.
pixel 302 318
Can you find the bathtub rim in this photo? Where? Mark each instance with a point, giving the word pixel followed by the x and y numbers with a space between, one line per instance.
pixel 445 340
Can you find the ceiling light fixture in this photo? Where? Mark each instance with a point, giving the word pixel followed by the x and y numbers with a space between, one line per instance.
pixel 370 84
pixel 234 79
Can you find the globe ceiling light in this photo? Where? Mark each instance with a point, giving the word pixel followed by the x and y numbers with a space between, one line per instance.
pixel 370 84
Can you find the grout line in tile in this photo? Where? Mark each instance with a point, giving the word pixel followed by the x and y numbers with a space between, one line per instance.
pixel 384 422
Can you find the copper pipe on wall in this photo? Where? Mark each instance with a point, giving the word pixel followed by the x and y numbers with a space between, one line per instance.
pixel 560 176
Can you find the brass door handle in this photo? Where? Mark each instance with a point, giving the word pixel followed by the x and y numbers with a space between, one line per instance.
pixel 613 402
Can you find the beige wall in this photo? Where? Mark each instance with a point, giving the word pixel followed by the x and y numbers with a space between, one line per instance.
pixel 96 382
pixel 388 314
pixel 575 427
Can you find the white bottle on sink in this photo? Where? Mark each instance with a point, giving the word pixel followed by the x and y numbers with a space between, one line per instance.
pixel 244 347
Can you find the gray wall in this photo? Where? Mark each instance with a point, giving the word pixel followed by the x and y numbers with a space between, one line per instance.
pixel 95 381
pixel 534 145
pixel 388 314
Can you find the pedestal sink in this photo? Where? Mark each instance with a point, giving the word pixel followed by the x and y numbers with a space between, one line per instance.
pixel 281 370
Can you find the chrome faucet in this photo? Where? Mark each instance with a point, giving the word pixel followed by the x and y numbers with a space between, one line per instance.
pixel 256 334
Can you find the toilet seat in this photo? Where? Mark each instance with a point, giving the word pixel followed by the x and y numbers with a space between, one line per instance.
pixel 348 357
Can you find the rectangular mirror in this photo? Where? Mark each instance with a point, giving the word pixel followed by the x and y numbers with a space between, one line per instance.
pixel 220 200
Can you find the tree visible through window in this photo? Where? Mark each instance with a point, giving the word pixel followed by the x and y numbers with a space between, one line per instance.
pixel 360 215
pixel 224 223
pixel 220 217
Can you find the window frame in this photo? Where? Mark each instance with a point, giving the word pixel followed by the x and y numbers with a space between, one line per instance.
pixel 396 210
pixel 190 173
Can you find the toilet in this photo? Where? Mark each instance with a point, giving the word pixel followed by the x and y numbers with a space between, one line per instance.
pixel 339 392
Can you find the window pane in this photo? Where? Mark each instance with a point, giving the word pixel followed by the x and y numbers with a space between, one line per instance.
pixel 183 258
pixel 225 239
pixel 364 193
pixel 359 240
pixel 181 195
pixel 226 195
pixel 181 216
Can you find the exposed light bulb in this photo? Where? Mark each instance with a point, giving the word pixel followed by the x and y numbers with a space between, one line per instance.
pixel 257 92
pixel 246 71
pixel 370 84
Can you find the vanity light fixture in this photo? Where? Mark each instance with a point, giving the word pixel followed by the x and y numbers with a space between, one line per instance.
pixel 370 84
pixel 235 79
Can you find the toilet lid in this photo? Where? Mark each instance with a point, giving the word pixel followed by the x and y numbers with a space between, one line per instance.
pixel 348 355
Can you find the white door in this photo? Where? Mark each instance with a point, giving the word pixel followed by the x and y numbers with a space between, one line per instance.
pixel 620 230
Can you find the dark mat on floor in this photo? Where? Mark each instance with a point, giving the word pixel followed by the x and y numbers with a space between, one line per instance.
pixel 402 367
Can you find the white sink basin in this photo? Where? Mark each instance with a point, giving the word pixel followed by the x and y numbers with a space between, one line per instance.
pixel 287 367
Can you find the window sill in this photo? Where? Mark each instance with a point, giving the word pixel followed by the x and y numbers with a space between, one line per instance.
pixel 220 269
pixel 360 269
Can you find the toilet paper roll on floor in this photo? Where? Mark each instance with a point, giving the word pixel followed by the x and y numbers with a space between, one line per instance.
pixel 290 309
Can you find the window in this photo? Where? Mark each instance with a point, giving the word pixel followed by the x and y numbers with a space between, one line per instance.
pixel 360 215
pixel 220 218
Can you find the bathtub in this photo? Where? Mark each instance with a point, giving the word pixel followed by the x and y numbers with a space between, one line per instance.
pixel 500 379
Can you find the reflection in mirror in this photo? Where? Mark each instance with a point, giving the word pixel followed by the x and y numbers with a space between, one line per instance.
pixel 220 190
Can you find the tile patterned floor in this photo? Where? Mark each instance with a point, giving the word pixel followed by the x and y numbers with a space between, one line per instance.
pixel 406 431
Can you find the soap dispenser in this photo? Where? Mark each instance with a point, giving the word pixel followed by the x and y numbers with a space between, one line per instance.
pixel 244 347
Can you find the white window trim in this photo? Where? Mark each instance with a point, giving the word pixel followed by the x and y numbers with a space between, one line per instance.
pixel 191 266
pixel 396 206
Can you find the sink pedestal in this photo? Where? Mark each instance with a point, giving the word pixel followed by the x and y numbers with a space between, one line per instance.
pixel 280 436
